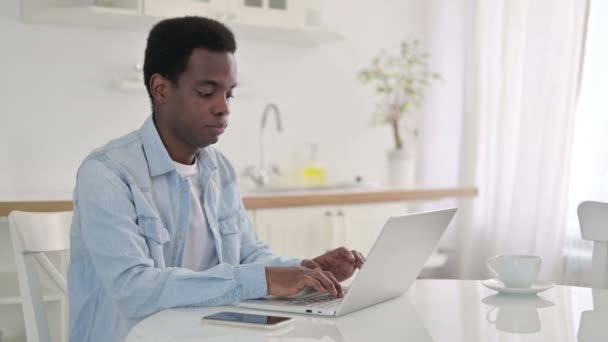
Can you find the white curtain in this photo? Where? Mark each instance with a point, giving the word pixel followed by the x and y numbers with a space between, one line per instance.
pixel 589 175
pixel 520 96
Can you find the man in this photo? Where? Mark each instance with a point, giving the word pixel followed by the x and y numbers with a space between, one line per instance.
pixel 158 218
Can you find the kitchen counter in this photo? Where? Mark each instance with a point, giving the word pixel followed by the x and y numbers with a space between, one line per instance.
pixel 312 198
pixel 264 200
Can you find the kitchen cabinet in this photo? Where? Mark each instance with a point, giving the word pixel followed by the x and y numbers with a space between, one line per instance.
pixel 261 13
pixel 120 14
pixel 269 13
pixel 310 231
pixel 365 221
pixel 293 21
pixel 302 232
pixel 177 8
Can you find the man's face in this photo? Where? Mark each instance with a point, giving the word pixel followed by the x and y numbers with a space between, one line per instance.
pixel 199 104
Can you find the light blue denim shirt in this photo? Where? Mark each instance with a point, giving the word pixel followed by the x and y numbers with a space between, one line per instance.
pixel 131 218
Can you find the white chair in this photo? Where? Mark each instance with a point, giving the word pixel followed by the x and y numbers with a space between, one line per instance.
pixel 34 234
pixel 593 219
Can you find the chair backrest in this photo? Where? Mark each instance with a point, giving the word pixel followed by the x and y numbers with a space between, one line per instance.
pixel 32 235
pixel 593 219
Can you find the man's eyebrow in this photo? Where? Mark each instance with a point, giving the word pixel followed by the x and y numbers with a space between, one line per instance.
pixel 207 82
pixel 212 83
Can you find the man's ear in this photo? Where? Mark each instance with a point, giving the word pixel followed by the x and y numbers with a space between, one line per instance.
pixel 160 88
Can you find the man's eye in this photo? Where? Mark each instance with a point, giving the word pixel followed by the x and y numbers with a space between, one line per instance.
pixel 230 96
pixel 202 94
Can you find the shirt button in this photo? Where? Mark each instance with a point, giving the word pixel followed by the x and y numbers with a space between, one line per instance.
pixel 180 236
pixel 185 189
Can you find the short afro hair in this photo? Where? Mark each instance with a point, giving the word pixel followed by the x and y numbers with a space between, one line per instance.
pixel 171 42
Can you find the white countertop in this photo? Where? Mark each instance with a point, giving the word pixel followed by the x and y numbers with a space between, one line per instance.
pixel 433 310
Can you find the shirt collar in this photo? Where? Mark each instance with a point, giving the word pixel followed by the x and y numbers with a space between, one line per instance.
pixel 159 161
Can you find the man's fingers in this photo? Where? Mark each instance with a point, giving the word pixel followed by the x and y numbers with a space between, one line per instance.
pixel 340 291
pixel 310 264
pixel 347 254
pixel 326 282
pixel 359 258
pixel 313 283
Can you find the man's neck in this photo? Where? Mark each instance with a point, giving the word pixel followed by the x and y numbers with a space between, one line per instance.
pixel 178 150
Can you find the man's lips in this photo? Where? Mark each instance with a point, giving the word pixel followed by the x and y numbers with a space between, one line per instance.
pixel 219 129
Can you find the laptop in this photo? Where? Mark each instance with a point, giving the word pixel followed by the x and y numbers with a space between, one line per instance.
pixel 395 260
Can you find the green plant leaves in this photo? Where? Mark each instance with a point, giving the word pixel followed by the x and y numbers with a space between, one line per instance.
pixel 400 79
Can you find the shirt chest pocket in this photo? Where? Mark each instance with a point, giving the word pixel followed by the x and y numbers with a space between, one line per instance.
pixel 156 236
pixel 230 232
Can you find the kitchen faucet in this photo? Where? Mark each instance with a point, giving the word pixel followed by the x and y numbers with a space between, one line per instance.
pixel 263 174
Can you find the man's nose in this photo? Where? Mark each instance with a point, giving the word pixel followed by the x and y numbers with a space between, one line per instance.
pixel 222 107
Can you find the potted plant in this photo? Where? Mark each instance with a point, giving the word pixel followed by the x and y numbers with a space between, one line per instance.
pixel 400 81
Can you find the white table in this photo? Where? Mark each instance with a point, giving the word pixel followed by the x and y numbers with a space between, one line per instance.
pixel 433 310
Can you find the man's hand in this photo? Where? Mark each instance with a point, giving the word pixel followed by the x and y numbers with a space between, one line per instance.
pixel 310 264
pixel 341 262
pixel 288 281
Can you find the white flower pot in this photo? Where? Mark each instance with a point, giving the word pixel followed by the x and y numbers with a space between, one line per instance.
pixel 401 169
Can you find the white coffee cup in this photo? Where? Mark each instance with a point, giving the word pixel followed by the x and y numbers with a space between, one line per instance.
pixel 515 271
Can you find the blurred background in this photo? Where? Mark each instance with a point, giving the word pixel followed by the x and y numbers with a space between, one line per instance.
pixel 499 106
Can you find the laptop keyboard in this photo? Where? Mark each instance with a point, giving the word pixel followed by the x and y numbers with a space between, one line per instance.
pixel 318 299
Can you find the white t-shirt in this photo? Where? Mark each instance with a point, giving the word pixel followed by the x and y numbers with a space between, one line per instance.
pixel 199 251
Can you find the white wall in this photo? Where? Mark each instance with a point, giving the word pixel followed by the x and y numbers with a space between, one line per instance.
pixel 440 147
pixel 59 102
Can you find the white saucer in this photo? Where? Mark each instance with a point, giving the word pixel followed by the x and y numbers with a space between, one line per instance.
pixel 537 287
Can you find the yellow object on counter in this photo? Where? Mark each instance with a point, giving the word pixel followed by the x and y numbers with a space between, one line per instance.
pixel 313 174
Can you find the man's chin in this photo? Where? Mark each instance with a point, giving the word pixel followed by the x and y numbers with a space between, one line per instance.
pixel 208 142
